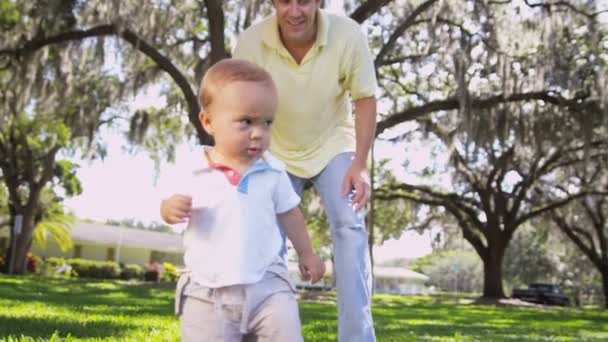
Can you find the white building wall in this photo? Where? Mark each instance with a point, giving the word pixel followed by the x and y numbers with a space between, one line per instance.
pixel 93 251
pixel 130 255
pixel 99 252
pixel 51 250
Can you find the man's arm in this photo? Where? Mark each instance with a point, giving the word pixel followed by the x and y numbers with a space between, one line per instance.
pixel 365 131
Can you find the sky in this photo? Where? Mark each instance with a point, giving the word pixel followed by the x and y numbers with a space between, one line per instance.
pixel 124 186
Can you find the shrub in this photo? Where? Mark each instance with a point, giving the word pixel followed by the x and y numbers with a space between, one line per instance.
pixel 95 269
pixel 170 273
pixel 54 262
pixel 132 271
pixel 33 263
pixel 57 267
pixel 153 271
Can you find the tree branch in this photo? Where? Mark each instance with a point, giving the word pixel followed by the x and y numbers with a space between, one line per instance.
pixel 548 207
pixel 467 232
pixel 571 232
pixel 367 9
pixel 215 15
pixel 453 103
pixel 567 4
pixel 138 43
pixel 407 23
pixel 409 58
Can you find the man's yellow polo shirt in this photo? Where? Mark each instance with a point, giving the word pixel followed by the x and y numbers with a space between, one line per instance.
pixel 314 121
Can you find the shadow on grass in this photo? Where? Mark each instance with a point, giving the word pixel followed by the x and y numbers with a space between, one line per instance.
pixel 416 317
pixel 114 297
pixel 44 328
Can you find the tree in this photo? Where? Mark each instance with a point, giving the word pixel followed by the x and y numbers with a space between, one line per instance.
pixel 507 146
pixel 585 221
pixel 497 190
pixel 431 56
pixel 31 137
pixel 53 102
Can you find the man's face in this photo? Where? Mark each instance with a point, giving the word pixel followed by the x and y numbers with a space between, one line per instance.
pixel 296 19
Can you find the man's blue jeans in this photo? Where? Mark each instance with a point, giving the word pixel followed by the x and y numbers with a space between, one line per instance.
pixel 351 253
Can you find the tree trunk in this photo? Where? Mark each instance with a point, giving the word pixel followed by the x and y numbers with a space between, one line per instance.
pixel 333 271
pixel 24 242
pixel 492 273
pixel 371 216
pixel 604 273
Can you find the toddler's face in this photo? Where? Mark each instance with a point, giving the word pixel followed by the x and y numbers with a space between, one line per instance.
pixel 240 119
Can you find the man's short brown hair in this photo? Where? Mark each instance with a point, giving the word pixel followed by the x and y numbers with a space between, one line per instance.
pixel 227 71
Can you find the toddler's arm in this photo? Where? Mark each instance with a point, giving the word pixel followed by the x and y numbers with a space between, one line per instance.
pixel 311 266
pixel 176 209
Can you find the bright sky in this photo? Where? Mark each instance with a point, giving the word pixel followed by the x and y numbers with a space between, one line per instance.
pixel 123 186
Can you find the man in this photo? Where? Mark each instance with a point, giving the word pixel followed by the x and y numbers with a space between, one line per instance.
pixel 317 61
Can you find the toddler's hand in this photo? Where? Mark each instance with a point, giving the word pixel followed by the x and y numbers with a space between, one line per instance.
pixel 176 209
pixel 311 267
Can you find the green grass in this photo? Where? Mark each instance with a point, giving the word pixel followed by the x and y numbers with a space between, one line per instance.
pixel 40 309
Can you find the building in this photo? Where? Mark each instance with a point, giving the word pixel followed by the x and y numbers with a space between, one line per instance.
pixel 399 280
pixel 103 242
pixel 99 241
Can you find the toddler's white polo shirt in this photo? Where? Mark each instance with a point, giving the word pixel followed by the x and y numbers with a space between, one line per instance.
pixel 232 236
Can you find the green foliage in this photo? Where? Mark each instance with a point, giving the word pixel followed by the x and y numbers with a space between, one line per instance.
pixel 156 132
pixel 452 270
pixel 391 218
pixel 316 223
pixel 54 262
pixel 8 14
pixel 530 257
pixel 84 268
pixel 65 172
pixel 3 201
pixel 57 268
pixel 170 272
pixel 132 271
pixel 54 222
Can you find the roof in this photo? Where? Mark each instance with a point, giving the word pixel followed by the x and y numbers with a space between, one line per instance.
pixel 379 272
pixel 398 272
pixel 114 235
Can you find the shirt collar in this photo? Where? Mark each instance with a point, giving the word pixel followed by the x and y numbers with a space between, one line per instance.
pixel 267 161
pixel 272 38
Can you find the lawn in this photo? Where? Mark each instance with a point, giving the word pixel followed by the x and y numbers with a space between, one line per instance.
pixel 37 309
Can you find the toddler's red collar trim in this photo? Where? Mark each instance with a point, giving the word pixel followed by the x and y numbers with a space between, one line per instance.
pixel 231 174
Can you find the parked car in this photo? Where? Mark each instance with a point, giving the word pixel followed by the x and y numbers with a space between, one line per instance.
pixel 547 294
